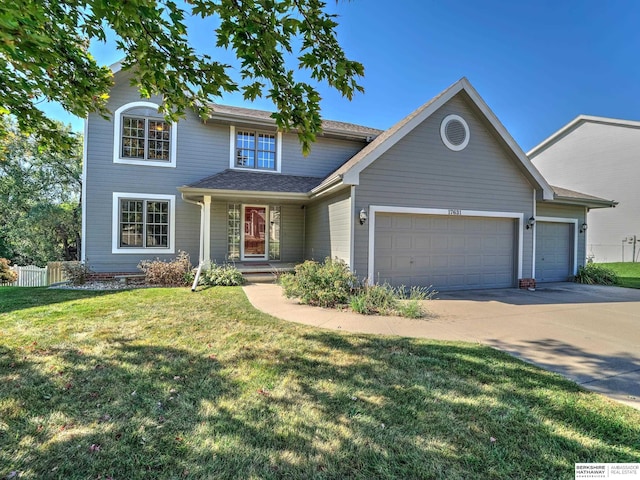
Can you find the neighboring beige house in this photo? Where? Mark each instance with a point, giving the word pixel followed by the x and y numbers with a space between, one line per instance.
pixel 601 156
pixel 445 197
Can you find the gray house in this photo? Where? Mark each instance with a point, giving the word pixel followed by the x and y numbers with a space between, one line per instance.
pixel 600 155
pixel 445 197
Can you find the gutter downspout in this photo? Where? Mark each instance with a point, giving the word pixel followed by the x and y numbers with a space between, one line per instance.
pixel 201 249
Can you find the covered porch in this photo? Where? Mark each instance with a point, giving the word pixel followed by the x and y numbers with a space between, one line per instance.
pixel 255 221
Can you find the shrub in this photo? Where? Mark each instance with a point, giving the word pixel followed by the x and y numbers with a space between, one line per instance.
pixel 76 272
pixel 6 274
pixel 372 299
pixel 222 276
pixel 593 274
pixel 172 273
pixel 325 284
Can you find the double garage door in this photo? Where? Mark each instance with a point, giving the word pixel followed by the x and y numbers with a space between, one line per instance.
pixel 448 252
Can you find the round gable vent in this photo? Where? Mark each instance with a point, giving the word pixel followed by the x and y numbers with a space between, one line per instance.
pixel 454 132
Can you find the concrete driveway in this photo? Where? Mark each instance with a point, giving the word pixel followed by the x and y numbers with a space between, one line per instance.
pixel 589 334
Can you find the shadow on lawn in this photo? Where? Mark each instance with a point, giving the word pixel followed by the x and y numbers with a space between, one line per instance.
pixel 336 407
pixel 19 298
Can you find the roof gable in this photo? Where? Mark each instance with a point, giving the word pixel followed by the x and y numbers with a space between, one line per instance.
pixel 349 172
pixel 575 124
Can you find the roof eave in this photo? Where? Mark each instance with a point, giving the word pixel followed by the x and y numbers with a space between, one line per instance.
pixel 269 122
pixel 219 193
pixel 589 203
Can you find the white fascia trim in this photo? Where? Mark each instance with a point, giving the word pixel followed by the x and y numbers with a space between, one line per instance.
pixel 117 138
pixel 352 176
pixel 83 193
pixel 352 230
pixel 574 221
pixel 374 209
pixel 232 153
pixel 580 119
pixel 115 224
pixel 533 243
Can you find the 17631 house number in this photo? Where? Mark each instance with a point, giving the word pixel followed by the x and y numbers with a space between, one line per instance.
pixel 455 211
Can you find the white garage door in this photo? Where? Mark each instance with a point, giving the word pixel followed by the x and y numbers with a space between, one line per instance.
pixel 448 252
pixel 554 244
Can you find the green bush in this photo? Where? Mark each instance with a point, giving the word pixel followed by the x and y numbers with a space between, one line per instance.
pixel 221 276
pixel 172 273
pixel 325 284
pixel 386 300
pixel 593 274
pixel 6 274
pixel 375 299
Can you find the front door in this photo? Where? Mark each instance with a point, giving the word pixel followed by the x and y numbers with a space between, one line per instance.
pixel 254 233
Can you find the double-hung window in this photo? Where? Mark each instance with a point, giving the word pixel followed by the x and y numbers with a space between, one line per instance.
pixel 256 150
pixel 143 137
pixel 143 223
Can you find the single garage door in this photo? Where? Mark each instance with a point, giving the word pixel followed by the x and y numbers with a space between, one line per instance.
pixel 554 244
pixel 448 252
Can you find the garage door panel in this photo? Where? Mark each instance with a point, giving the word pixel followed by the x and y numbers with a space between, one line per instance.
pixel 554 251
pixel 447 252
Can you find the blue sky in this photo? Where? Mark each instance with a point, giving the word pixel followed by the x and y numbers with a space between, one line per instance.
pixel 537 64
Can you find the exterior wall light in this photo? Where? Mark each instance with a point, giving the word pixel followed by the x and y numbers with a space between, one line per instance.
pixel 362 216
pixel 530 223
pixel 583 228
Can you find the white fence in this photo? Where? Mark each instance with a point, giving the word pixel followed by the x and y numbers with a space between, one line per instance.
pixel 32 276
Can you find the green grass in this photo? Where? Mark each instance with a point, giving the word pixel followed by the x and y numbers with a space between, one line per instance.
pixel 628 273
pixel 166 383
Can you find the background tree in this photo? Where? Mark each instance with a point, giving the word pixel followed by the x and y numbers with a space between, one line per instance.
pixel 44 56
pixel 39 198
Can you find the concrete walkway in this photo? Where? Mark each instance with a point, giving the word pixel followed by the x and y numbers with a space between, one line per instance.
pixel 589 334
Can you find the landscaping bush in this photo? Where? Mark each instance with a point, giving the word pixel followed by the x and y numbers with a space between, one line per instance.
pixel 372 299
pixel 221 276
pixel 325 284
pixel 6 274
pixel 593 274
pixel 172 273
pixel 76 272
pixel 386 300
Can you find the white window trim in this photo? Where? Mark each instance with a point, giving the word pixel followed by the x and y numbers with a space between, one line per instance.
pixel 232 152
pixel 573 221
pixel 115 223
pixel 373 209
pixel 117 139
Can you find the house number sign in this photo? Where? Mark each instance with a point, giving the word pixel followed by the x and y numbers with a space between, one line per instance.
pixel 455 211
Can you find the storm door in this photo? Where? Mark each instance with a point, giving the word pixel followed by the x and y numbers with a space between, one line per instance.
pixel 254 233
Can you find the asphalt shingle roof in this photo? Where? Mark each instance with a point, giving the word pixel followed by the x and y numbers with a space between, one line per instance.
pixel 263 115
pixel 566 193
pixel 256 181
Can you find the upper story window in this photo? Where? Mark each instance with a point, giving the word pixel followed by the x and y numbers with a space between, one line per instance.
pixel 143 137
pixel 255 150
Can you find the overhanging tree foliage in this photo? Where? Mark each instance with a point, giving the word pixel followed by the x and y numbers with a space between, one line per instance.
pixel 39 198
pixel 44 56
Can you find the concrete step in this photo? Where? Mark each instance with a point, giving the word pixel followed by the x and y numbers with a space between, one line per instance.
pixel 260 277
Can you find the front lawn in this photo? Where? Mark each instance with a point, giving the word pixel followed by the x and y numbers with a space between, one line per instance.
pixel 166 383
pixel 628 273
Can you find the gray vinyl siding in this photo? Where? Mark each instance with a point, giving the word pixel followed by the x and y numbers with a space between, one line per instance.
pixel 328 227
pixel 419 171
pixel 602 160
pixel 202 150
pixel 327 154
pixel 569 212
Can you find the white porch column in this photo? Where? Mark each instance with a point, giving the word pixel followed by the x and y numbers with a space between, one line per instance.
pixel 206 240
